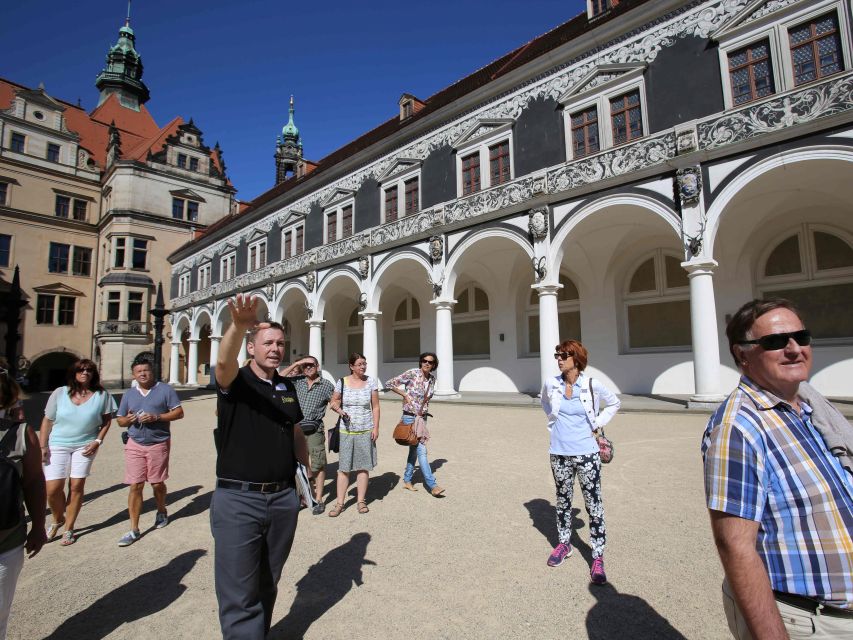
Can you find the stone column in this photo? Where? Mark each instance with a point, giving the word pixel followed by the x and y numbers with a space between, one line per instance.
pixel 315 339
pixel 214 355
pixel 549 328
pixel 174 363
pixel 703 324
pixel 192 362
pixel 444 348
pixel 370 342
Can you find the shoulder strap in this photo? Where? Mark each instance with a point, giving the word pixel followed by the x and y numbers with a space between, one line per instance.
pixel 592 396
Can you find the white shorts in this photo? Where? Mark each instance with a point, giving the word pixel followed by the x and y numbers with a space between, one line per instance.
pixel 67 462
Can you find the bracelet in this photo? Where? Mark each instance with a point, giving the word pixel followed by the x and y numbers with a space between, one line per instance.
pixel 99 441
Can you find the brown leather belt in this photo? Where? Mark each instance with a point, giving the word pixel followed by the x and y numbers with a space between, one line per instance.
pixel 811 605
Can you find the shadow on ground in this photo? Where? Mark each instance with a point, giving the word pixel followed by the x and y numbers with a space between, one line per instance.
pixel 323 586
pixel 146 595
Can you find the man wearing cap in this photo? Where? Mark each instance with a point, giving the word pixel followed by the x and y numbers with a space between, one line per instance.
pixel 780 498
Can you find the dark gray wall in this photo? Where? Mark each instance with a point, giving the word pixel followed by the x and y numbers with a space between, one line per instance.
pixel 274 244
pixel 173 289
pixel 366 206
pixel 215 263
pixel 538 138
pixel 242 257
pixel 314 227
pixel 194 279
pixel 683 83
pixel 438 177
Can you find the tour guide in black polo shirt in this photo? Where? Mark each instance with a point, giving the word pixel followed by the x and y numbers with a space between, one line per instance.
pixel 255 505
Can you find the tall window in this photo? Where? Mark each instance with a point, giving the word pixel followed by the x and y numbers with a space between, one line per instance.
pixel 80 207
pixel 626 117
pixel 47 311
pixel 227 267
pixel 18 142
pixel 293 240
pixel 182 160
pixel 288 244
pixel 332 226
pixel 568 315
pixel 499 163
pixel 411 188
pixel 113 305
pixel 134 306
pixel 300 239
pixel 597 7
pixel 585 132
pixel 391 204
pixel 346 221
pixel 183 284
pixel 407 331
pixel 178 208
pixel 257 255
pixel 66 310
pixel 813 267
pixel 58 257
pixel 204 276
pixel 815 49
pixel 81 264
pixel 5 249
pixel 140 253
pixel 62 206
pixel 52 152
pixel 471 323
pixel 751 72
pixel 471 173
pixel 193 164
pixel 192 210
pixel 657 304
pixel 4 192
pixel 118 254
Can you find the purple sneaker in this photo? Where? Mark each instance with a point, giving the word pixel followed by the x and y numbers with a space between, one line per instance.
pixel 560 553
pixel 596 574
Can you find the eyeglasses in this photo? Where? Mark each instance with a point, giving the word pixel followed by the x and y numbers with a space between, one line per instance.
pixel 776 341
pixel 86 370
pixel 429 362
pixel 563 355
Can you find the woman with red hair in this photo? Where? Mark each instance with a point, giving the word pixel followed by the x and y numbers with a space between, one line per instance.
pixel 573 402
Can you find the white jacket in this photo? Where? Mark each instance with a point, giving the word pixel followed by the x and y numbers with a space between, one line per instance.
pixel 554 388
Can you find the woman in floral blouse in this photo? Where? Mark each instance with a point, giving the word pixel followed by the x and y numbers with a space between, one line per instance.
pixel 416 387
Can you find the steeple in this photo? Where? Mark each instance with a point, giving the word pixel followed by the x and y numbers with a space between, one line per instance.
pixel 288 149
pixel 123 73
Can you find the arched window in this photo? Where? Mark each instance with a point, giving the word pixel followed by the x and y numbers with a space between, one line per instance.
pixel 355 335
pixel 407 330
pixel 657 304
pixel 568 315
pixel 813 267
pixel 471 323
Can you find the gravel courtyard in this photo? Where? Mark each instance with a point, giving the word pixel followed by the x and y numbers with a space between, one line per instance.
pixel 470 565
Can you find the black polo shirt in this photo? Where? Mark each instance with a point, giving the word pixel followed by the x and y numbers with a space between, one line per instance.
pixel 256 419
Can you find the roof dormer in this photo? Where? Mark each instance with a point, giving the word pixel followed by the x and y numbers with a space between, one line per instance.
pixel 409 106
pixel 597 8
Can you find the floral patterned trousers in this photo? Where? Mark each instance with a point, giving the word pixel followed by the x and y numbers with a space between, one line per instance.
pixel 588 470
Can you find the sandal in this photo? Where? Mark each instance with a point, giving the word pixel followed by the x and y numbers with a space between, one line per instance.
pixel 362 507
pixel 53 529
pixel 335 511
pixel 68 538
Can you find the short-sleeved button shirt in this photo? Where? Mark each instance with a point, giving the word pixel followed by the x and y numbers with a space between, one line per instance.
pixel 161 398
pixel 256 419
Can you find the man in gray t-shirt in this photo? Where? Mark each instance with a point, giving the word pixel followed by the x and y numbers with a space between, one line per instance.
pixel 147 411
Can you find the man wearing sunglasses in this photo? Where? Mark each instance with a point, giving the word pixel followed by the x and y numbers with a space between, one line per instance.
pixel 314 393
pixel 780 501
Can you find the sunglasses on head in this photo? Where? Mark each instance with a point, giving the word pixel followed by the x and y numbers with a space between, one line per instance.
pixel 563 355
pixel 427 361
pixel 776 341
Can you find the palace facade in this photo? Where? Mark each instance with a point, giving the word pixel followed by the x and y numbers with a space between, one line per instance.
pixel 628 179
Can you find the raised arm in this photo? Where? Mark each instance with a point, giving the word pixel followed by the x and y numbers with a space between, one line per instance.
pixel 243 309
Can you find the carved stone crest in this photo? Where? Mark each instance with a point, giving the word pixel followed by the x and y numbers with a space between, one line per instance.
pixel 537 224
pixel 436 281
pixel 362 301
pixel 539 268
pixel 685 141
pixel 309 311
pixel 436 249
pixel 311 280
pixel 689 185
pixel 270 291
pixel 364 266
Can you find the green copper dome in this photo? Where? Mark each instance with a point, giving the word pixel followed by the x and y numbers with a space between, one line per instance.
pixel 289 130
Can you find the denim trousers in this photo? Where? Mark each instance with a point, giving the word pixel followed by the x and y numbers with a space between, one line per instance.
pixel 418 452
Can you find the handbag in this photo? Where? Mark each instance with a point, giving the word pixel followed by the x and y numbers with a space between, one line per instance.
pixel 335 432
pixel 404 434
pixel 605 444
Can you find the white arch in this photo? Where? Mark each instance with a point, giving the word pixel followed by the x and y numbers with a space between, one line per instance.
pixel 469 241
pixel 655 207
pixel 404 255
pixel 182 322
pixel 197 323
pixel 716 211
pixel 287 288
pixel 331 277
pixel 220 317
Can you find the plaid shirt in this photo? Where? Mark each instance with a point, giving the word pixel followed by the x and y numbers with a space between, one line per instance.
pixel 313 401
pixel 765 462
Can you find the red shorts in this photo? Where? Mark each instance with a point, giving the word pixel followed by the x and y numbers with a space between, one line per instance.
pixel 146 463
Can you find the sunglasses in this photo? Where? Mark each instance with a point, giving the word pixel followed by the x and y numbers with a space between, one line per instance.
pixel 425 361
pixel 563 355
pixel 776 341
pixel 86 370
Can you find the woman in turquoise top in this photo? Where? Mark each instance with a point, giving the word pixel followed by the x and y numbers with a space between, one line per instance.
pixel 76 420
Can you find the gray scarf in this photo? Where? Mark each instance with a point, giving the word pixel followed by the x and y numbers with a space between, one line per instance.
pixel 836 431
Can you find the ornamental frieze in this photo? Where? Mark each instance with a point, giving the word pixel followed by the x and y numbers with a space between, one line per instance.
pixel 495 198
pixel 767 8
pixel 406 227
pixel 795 108
pixel 343 247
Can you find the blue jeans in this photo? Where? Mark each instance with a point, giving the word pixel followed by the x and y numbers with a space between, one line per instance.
pixel 419 452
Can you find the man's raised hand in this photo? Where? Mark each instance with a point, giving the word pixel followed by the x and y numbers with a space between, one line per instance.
pixel 244 310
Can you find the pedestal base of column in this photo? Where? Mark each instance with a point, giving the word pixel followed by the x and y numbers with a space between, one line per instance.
pixel 705 401
pixel 446 395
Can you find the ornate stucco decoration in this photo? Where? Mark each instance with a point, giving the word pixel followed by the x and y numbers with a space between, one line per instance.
pixel 362 301
pixel 495 198
pixel 688 186
pixel 436 281
pixel 311 281
pixel 364 268
pixel 539 269
pixel 537 223
pixel 436 249
pixel 767 8
pixel 685 140
pixel 309 310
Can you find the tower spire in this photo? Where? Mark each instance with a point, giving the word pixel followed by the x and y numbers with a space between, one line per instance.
pixel 123 74
pixel 288 148
pixel 127 20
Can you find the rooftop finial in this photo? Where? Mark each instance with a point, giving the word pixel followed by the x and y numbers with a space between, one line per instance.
pixel 127 20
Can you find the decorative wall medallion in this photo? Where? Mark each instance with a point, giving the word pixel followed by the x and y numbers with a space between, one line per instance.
pixel 309 311
pixel 270 291
pixel 688 186
pixel 537 223
pixel 311 281
pixel 436 249
pixel 686 141
pixel 362 301
pixel 539 268
pixel 436 281
pixel 364 267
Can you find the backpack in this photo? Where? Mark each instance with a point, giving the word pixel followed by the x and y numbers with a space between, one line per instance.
pixel 12 448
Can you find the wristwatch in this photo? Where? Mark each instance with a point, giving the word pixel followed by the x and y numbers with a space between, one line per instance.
pixel 99 441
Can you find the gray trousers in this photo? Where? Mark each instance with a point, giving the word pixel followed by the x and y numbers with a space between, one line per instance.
pixel 253 534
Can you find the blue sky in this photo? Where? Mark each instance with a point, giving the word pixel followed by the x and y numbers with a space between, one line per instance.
pixel 232 65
